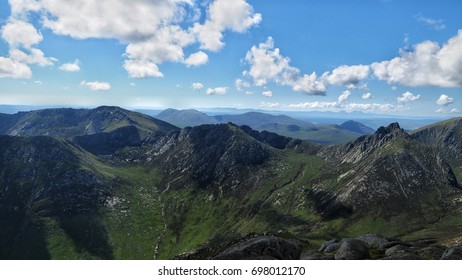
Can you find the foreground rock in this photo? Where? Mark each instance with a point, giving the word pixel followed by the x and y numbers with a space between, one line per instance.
pixel 250 247
pixel 372 246
pixel 263 248
pixel 353 249
pixel 454 253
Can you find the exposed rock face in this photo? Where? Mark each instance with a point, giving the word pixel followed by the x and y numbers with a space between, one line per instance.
pixel 262 248
pixel 352 249
pixel 209 153
pixel 445 136
pixel 389 173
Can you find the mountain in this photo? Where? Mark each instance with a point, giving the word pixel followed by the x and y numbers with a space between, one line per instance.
pixel 446 136
pixel 357 127
pixel 184 118
pixel 139 188
pixel 280 124
pixel 386 169
pixel 72 122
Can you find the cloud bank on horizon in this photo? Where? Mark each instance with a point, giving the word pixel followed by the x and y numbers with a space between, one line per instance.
pixel 155 35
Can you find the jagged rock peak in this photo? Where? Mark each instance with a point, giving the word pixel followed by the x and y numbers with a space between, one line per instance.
pixel 389 129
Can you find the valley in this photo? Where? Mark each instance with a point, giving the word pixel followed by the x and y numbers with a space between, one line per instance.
pixel 108 183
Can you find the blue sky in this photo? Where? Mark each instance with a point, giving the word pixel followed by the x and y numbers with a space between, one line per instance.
pixel 381 56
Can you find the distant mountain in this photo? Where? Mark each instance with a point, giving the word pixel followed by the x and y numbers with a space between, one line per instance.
pixel 74 122
pixel 184 118
pixel 108 183
pixel 357 127
pixel 280 124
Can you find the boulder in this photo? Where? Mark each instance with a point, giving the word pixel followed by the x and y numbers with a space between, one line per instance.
pixel 454 253
pixel 397 249
pixel 374 240
pixel 332 248
pixel 353 249
pixel 326 244
pixel 263 248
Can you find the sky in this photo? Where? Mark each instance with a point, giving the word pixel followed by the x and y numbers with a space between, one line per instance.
pixel 391 57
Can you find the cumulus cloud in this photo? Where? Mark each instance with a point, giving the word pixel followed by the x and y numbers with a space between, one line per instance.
pixel 217 90
pixel 237 16
pixel 142 69
pixel 268 65
pixel 31 56
pixel 436 24
pixel 344 96
pixel 427 64
pixel 71 67
pixel 241 85
pixel 408 97
pixel 267 93
pixel 20 33
pixel 444 100
pixel 197 86
pixel 154 31
pixel 367 95
pixel 348 75
pixel 96 86
pixel 196 59
pixel 22 37
pixel 10 68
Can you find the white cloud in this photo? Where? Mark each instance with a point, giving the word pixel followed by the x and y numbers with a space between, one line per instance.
pixel 348 75
pixel 408 97
pixel 236 15
pixel 197 86
pixel 427 65
pixel 10 68
pixel 38 83
pixel 96 86
pixel 367 95
pixel 197 59
pixel 20 33
pixel 443 111
pixel 142 69
pixel 217 90
pixel 269 105
pixel 268 65
pixel 241 85
pixel 268 93
pixel 71 67
pixel 436 24
pixel 249 92
pixel 34 56
pixel 21 36
pixel 344 96
pixel 444 100
pixel 336 106
pixel 154 31
pixel 308 84
pixel 127 21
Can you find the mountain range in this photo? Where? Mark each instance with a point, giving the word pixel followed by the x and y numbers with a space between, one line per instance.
pixel 280 124
pixel 108 183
